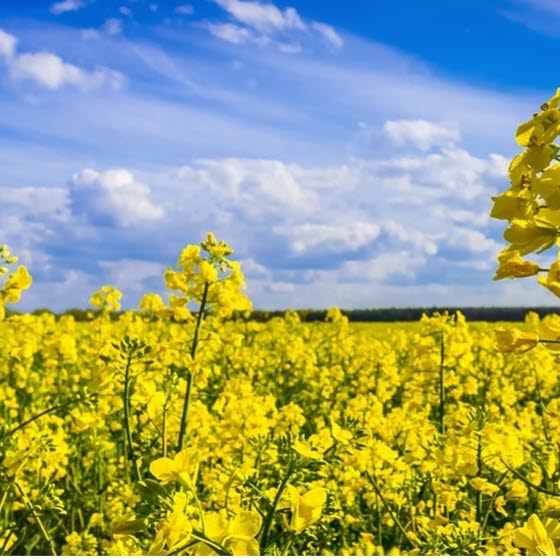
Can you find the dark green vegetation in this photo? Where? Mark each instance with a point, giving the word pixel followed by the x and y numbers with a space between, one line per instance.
pixel 393 314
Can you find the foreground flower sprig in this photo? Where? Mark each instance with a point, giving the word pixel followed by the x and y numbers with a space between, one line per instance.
pixel 531 204
pixel 17 281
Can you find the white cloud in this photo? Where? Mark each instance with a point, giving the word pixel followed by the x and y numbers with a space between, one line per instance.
pixel 113 26
pixel 340 238
pixel 66 6
pixel 235 34
pixel 131 273
pixel 306 235
pixel 262 17
pixel 125 11
pixel 328 33
pixel 413 197
pixel 35 202
pixel 113 198
pixel 184 10
pixel 421 134
pixel 7 45
pixel 403 264
pixel 50 71
pixel 257 190
pixel 264 23
pixel 472 241
pixel 283 288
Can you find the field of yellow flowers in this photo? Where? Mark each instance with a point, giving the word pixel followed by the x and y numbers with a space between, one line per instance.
pixel 184 428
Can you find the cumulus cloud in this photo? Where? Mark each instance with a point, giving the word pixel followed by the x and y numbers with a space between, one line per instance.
pixel 112 198
pixel 66 6
pixel 264 23
pixel 132 273
pixel 428 210
pixel 345 234
pixel 394 264
pixel 257 190
pixel 307 237
pixel 36 202
pixel 421 134
pixel 50 71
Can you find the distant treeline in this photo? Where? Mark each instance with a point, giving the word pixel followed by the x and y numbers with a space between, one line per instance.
pixel 392 314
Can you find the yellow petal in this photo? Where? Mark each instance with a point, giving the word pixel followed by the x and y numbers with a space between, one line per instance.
pixel 315 498
pixel 163 469
pixel 215 526
pixel 246 524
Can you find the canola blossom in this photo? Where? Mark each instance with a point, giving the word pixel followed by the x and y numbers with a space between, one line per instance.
pixel 186 428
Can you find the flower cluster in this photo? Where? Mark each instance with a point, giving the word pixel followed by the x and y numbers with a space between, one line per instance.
pixel 17 281
pixel 166 434
pixel 531 205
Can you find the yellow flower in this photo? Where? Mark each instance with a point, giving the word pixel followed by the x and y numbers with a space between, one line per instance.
pixel 526 237
pixel 534 537
pixel 173 531
pixel 499 504
pixel 306 451
pixel 235 535
pixel 152 302
pixel 484 487
pixel 107 299
pixel 307 509
pixel 552 279
pixel 518 490
pixel 547 186
pixel 513 266
pixel 514 340
pixel 339 434
pixel 182 467
pixel 17 282
pixel 189 256
pixel 513 205
pixel 541 129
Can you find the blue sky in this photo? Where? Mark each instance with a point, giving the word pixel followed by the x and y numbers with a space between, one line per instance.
pixel 347 152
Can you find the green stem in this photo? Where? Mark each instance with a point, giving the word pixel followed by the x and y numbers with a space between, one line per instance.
pixel 199 318
pixel 164 431
pixel 194 346
pixel 39 415
pixel 127 417
pixel 393 516
pixel 288 544
pixel 441 389
pixel 528 482
pixel 201 537
pixel 268 521
pixel 542 407
pixel 37 518
pixel 479 473
pixel 185 413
